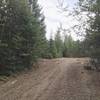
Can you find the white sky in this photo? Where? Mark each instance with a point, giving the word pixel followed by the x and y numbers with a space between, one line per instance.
pixel 54 16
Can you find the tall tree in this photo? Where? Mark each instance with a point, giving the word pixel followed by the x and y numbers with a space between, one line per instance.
pixel 72 48
pixel 65 51
pixel 59 43
pixel 22 33
pixel 93 29
pixel 52 48
pixel 68 45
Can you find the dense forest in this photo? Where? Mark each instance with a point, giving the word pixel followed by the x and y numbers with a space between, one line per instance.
pixel 91 9
pixel 23 35
pixel 65 46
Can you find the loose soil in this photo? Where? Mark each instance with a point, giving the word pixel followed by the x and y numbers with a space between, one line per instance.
pixel 57 79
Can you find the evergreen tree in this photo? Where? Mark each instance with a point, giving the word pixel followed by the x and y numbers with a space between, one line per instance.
pixel 52 48
pixel 92 7
pixel 22 34
pixel 15 15
pixel 59 43
pixel 68 46
pixel 65 51
pixel 40 39
pixel 72 48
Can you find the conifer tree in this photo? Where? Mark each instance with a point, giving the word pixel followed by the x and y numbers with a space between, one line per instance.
pixel 22 34
pixel 92 7
pixel 59 43
pixel 52 48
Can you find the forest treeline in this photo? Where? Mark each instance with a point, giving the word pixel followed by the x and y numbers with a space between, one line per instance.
pixel 22 34
pixel 91 9
pixel 23 39
pixel 64 46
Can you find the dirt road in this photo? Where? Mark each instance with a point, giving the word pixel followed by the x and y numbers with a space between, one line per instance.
pixel 58 79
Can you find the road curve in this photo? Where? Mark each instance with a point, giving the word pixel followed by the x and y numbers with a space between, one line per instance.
pixel 58 79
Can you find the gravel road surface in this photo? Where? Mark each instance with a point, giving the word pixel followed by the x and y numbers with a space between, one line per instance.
pixel 57 79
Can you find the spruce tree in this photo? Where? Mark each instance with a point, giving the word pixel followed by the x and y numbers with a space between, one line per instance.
pixel 39 34
pixel 59 43
pixel 92 7
pixel 22 34
pixel 52 48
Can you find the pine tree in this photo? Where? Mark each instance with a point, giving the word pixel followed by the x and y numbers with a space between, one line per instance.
pixel 59 43
pixel 40 39
pixel 15 15
pixel 72 48
pixel 22 34
pixel 68 46
pixel 65 51
pixel 52 48
pixel 93 30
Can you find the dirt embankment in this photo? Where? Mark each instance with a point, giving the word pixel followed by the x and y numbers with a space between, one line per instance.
pixel 58 79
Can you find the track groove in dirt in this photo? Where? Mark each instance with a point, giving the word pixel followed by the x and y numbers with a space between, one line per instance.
pixel 58 79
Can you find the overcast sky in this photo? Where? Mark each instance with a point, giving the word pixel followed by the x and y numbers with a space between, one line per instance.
pixel 54 16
